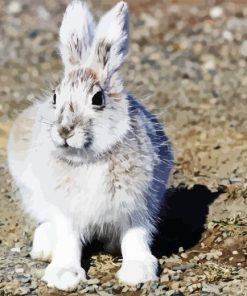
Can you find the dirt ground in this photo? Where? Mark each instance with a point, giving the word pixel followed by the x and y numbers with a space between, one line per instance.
pixel 188 63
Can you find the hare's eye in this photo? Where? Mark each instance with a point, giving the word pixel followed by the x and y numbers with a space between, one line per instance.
pixel 54 99
pixel 98 99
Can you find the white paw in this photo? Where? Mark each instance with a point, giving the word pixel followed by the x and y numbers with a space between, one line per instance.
pixel 135 272
pixel 63 278
pixel 43 242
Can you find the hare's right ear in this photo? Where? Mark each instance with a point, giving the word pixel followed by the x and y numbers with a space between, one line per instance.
pixel 110 45
pixel 76 34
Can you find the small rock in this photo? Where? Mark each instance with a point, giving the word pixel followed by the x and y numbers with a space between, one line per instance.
pixel 233 179
pixel 38 273
pixel 34 285
pixel 14 7
pixel 175 286
pixel 184 266
pixel 24 278
pixel 227 35
pixel 192 288
pixel 177 293
pixel 202 256
pixel 154 285
pixel 85 290
pixel 107 284
pixel 170 293
pixel 184 255
pixel 103 293
pixel 181 249
pixel 243 49
pixel 175 277
pixel 125 289
pixel 216 12
pixel 17 249
pixel 211 288
pixel 19 270
pixel 93 282
pixel 117 289
pixel 22 291
pixel 164 278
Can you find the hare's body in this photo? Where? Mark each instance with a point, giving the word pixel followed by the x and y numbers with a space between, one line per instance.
pixel 97 165
pixel 106 194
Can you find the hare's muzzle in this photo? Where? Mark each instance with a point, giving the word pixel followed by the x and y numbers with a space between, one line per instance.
pixel 65 132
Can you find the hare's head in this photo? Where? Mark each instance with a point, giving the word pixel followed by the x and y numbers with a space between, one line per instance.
pixel 91 109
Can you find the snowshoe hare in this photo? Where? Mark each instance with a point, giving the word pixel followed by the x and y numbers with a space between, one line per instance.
pixel 89 160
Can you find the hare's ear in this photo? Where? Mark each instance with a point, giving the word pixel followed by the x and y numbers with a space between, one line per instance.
pixel 76 34
pixel 110 45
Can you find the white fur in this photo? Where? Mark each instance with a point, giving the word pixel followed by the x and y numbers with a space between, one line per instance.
pixel 76 34
pixel 112 189
pixel 138 264
pixel 65 272
pixel 43 242
pixel 113 28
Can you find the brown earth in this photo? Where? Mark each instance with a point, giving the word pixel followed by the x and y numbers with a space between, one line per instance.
pixel 189 66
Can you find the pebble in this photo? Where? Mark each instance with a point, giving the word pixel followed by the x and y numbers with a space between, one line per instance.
pixel 216 12
pixel 22 291
pixel 175 286
pixel 211 288
pixel 93 282
pixel 170 293
pixel 181 250
pixel 175 277
pixel 184 255
pixel 184 266
pixel 19 270
pixel 103 293
pixel 24 278
pixel 202 256
pixel 177 293
pixel 227 35
pixel 14 7
pixel 243 49
pixel 117 289
pixel 16 249
pixel 34 285
pixel 164 278
pixel 107 284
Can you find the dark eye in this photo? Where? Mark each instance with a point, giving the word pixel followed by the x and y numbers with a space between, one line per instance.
pixel 54 99
pixel 98 99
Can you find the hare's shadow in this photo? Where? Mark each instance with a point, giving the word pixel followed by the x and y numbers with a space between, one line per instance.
pixel 183 218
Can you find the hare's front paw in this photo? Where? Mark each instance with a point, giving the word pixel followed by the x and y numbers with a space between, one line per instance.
pixel 43 242
pixel 63 278
pixel 135 272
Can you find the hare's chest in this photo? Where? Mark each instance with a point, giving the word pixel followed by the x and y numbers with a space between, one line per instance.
pixel 84 190
pixel 85 183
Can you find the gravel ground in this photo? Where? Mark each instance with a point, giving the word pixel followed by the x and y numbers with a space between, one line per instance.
pixel 188 63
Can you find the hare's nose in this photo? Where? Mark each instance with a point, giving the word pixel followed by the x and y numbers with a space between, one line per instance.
pixel 65 132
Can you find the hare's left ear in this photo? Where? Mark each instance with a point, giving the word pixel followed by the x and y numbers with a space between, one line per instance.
pixel 110 45
pixel 76 34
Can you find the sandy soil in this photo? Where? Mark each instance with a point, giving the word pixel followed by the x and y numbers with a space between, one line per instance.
pixel 188 63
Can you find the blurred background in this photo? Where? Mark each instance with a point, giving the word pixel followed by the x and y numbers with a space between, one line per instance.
pixel 188 63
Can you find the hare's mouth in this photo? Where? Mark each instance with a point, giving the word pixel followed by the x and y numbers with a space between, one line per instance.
pixel 69 149
pixel 75 155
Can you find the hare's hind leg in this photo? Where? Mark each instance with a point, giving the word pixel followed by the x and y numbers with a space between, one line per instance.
pixel 43 242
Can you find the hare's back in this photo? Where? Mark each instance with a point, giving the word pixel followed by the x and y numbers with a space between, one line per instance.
pixel 162 148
